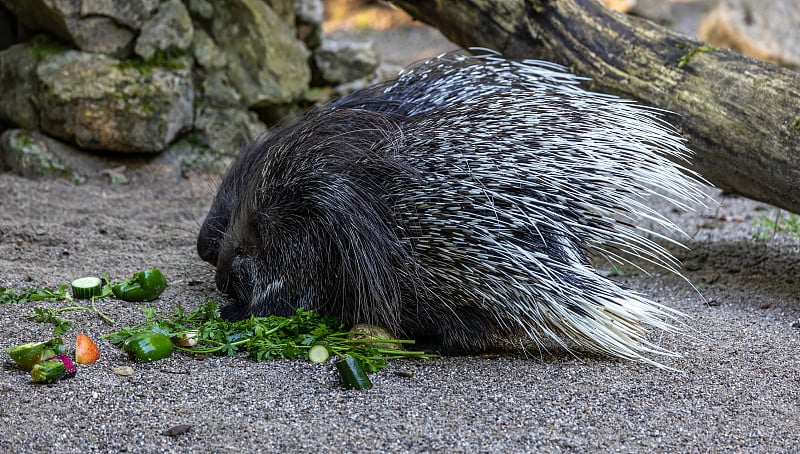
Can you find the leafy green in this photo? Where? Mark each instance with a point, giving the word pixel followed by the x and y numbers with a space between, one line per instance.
pixel 261 338
pixel 767 229
pixel 44 315
pixel 24 294
pixel 265 338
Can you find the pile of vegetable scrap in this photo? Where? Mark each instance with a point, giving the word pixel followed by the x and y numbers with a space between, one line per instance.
pixel 47 361
pixel 145 285
pixel 307 335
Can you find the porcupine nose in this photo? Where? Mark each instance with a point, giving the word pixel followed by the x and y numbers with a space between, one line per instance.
pixel 210 237
pixel 229 268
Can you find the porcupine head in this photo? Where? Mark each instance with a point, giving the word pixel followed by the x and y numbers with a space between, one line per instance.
pixel 311 228
pixel 465 221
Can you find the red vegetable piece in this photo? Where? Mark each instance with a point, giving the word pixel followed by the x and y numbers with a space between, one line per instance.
pixel 86 351
pixel 68 365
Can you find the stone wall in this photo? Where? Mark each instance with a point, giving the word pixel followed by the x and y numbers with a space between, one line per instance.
pixel 145 76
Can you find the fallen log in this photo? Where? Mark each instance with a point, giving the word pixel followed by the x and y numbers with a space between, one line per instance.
pixel 740 116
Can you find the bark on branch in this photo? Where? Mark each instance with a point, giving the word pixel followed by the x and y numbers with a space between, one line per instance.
pixel 740 116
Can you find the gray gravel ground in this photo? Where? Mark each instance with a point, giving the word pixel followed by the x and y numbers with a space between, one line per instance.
pixel 738 389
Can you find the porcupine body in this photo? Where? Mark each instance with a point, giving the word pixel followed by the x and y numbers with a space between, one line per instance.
pixel 455 204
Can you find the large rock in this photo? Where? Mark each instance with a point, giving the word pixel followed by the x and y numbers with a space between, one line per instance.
pixel 93 100
pixel 225 131
pixel 32 154
pixel 285 9
pixel 206 52
pixel 309 15
pixel 169 31
pixel 129 13
pixel 344 61
pixel 217 138
pixel 218 91
pixel 146 75
pixel 105 26
pixel 202 9
pixel 99 103
pixel 215 86
pixel 266 63
pixel 17 79
pixel 768 32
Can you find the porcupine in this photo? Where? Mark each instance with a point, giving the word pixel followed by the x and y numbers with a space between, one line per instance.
pixel 456 204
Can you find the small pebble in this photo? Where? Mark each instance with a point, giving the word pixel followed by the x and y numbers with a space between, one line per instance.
pixel 123 371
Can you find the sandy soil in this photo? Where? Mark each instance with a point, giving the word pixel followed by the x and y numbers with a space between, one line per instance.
pixel 738 389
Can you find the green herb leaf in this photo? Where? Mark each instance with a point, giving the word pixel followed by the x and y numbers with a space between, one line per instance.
pixel 23 295
pixel 43 315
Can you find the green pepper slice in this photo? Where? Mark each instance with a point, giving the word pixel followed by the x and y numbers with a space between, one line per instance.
pixel 145 285
pixel 145 347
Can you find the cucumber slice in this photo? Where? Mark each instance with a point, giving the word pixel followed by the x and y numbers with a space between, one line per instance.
pixel 28 355
pixel 352 374
pixel 48 371
pixel 87 287
pixel 318 354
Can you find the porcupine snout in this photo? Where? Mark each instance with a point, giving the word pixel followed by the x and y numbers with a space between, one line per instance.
pixel 208 240
pixel 255 288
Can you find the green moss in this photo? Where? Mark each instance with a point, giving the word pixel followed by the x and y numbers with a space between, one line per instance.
pixel 162 59
pixel 693 51
pixel 141 66
pixel 32 158
pixel 24 140
pixel 169 59
pixel 796 125
pixel 136 102
pixel 39 49
pixel 147 107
